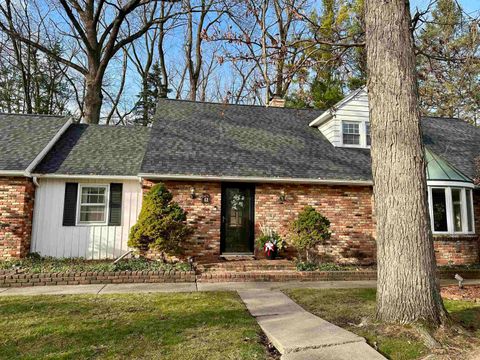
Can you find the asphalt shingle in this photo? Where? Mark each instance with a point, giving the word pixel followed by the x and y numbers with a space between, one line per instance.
pixel 455 141
pixel 192 138
pixel 23 137
pixel 97 150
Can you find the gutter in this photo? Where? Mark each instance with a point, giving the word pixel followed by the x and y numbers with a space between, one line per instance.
pixel 12 173
pixel 253 179
pixel 70 176
pixel 327 115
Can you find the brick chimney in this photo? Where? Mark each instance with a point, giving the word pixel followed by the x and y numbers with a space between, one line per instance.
pixel 277 101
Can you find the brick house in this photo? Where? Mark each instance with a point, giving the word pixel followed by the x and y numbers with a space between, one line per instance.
pixel 74 190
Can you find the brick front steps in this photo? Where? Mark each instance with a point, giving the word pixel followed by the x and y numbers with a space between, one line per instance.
pixel 247 265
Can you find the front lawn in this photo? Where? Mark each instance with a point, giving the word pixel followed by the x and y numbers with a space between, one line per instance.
pixel 354 310
pixel 153 326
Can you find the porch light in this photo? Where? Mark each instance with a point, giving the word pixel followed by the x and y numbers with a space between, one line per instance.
pixel 192 193
pixel 282 197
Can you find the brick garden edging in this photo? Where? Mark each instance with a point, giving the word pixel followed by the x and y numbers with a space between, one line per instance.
pixel 12 279
pixel 101 277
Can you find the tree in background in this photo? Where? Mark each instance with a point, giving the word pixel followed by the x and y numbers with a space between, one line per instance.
pixel 407 289
pixel 147 98
pixel 448 47
pixel 337 70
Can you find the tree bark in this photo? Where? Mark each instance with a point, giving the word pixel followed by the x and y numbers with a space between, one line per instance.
pixel 407 289
pixel 93 99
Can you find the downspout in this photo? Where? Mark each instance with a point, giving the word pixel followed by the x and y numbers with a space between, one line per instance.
pixel 35 181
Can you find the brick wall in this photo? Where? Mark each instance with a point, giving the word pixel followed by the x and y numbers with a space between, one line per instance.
pixel 205 218
pixel 16 212
pixel 349 209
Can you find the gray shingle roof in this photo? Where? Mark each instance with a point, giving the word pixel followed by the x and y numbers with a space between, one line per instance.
pixel 454 140
pixel 23 137
pixel 191 138
pixel 97 150
pixel 205 139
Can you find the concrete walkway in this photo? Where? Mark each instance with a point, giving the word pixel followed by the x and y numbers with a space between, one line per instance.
pixel 190 287
pixel 300 335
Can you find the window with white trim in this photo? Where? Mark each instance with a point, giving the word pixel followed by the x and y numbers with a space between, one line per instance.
pixel 93 204
pixel 451 210
pixel 351 133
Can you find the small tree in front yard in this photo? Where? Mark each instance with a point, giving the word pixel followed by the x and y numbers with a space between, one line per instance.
pixel 161 225
pixel 309 230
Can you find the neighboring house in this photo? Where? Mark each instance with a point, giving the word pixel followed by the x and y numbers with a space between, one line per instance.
pixel 233 168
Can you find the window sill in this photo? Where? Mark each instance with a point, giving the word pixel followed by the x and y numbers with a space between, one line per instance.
pixel 455 237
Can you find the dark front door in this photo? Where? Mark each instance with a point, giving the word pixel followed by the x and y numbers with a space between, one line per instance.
pixel 237 218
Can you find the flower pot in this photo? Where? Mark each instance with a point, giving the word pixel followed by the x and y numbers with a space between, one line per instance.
pixel 271 255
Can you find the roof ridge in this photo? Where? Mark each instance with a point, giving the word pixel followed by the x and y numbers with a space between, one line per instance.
pixel 33 115
pixel 244 105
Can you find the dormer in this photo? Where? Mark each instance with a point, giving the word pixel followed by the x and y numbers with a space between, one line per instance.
pixel 346 124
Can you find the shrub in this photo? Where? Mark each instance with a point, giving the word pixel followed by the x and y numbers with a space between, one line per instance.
pixel 308 230
pixel 161 224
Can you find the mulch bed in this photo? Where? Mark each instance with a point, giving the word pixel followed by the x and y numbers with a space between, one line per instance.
pixel 469 292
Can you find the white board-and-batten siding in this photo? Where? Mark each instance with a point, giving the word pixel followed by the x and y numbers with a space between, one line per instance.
pixel 51 238
pixel 354 109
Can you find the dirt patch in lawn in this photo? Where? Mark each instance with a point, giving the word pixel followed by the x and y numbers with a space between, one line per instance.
pixel 468 293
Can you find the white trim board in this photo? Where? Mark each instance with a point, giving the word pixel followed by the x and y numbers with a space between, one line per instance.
pixel 47 148
pixel 72 176
pixel 257 179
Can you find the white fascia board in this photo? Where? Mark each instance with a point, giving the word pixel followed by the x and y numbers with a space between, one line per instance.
pixel 47 148
pixel 253 179
pixel 325 116
pixel 435 183
pixel 12 173
pixel 99 177
pixel 328 114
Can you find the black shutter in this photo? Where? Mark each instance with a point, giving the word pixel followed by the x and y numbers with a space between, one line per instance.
pixel 70 204
pixel 115 211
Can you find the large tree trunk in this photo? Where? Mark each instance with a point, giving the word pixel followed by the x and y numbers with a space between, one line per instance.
pixel 407 289
pixel 93 100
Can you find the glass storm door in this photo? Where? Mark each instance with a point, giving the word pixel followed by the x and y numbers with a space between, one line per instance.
pixel 237 218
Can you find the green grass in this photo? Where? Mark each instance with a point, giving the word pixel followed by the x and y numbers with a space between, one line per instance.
pixel 36 264
pixel 348 307
pixel 153 326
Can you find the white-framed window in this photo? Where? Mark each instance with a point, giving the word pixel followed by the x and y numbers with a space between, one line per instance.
pixel 351 133
pixel 355 134
pixel 92 204
pixel 451 210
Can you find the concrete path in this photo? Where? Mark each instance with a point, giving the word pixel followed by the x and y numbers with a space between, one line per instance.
pixel 191 287
pixel 298 334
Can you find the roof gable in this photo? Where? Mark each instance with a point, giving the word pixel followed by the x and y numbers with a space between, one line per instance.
pixel 24 137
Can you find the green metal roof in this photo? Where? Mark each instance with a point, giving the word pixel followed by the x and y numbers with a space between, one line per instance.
pixel 440 170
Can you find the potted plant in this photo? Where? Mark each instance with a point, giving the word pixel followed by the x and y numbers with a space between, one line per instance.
pixel 270 242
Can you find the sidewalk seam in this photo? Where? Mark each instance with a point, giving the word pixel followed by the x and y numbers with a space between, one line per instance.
pixel 101 289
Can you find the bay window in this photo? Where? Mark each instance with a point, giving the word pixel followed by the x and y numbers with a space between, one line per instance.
pixel 451 210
